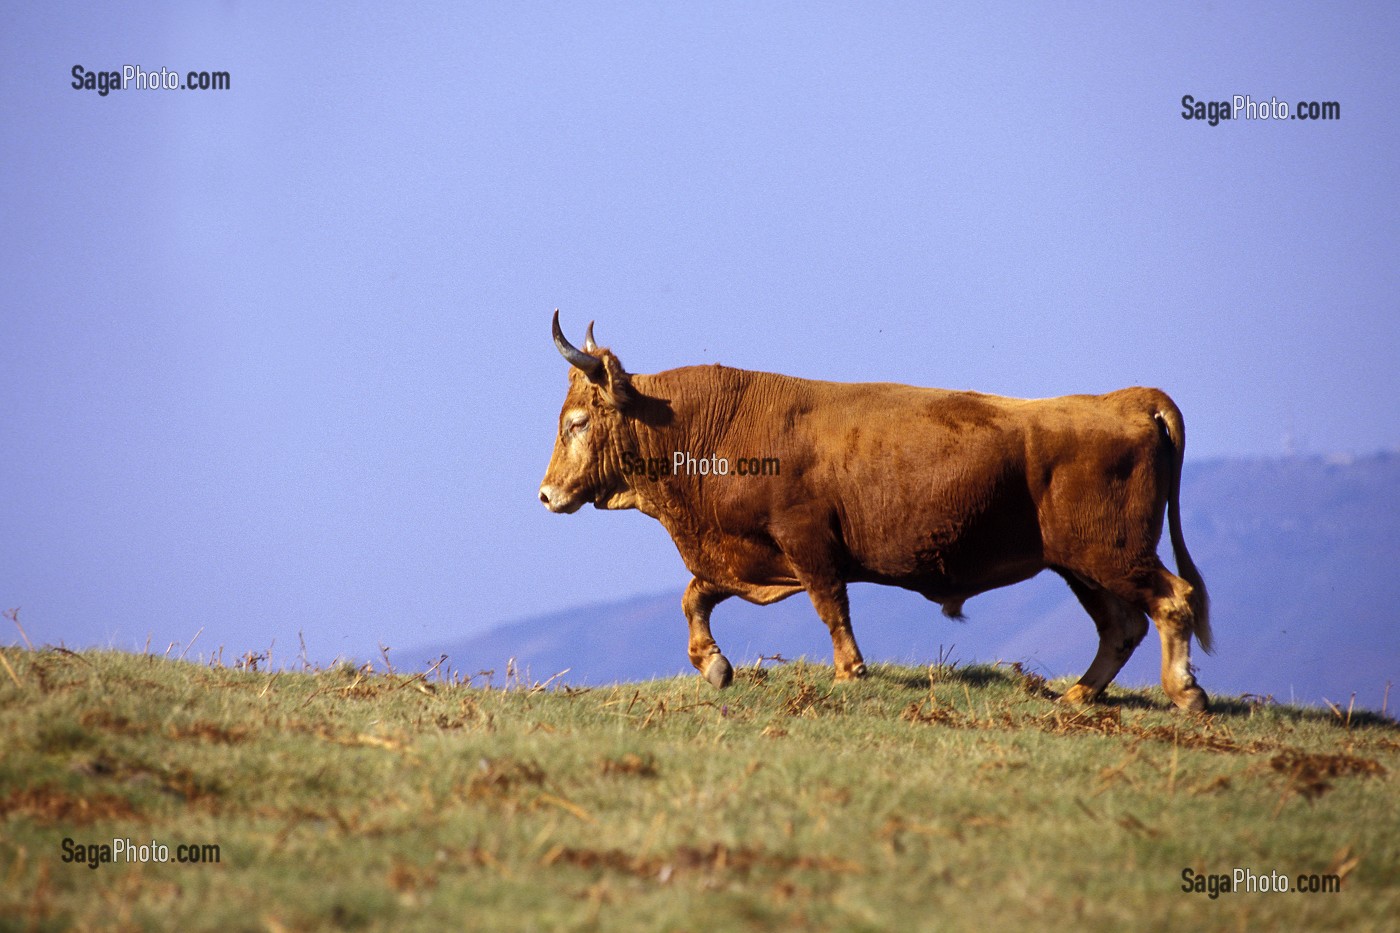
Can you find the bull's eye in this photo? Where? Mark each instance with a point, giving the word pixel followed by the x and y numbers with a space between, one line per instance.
pixel 576 426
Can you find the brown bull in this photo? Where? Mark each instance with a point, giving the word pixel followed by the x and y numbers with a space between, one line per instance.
pixel 770 485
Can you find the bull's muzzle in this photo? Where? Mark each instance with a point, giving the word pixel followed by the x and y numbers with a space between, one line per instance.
pixel 556 501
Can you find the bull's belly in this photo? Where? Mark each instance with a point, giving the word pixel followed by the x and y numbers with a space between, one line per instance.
pixel 952 566
pixel 943 588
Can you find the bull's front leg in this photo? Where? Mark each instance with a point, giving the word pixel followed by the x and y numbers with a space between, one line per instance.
pixel 700 598
pixel 808 541
pixel 830 600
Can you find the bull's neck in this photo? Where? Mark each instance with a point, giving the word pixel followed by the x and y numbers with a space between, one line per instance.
pixel 697 408
pixel 698 411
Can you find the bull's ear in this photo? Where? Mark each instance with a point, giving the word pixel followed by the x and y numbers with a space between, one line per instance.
pixel 616 383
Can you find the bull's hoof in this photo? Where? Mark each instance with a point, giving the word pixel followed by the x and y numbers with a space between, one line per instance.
pixel 1079 695
pixel 1192 700
pixel 719 672
pixel 848 676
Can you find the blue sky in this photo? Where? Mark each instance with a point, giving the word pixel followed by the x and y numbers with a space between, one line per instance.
pixel 276 359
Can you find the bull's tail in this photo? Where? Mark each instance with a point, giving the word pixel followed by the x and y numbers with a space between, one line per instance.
pixel 1169 418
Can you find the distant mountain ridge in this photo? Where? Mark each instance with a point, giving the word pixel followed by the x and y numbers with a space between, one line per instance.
pixel 1301 556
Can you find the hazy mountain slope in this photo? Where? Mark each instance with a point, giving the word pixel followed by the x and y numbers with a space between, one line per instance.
pixel 1300 556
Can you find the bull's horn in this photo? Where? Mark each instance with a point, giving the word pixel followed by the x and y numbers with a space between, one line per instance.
pixel 588 345
pixel 589 364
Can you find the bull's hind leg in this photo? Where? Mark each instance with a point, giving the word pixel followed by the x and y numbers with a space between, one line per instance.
pixel 1121 630
pixel 1167 600
pixel 699 600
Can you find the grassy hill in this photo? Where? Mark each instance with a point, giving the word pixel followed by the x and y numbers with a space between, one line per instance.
pixel 940 798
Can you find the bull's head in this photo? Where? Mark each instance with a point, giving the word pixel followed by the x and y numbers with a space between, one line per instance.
pixel 587 461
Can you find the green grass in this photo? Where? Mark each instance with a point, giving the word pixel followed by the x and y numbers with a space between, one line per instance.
pixel 951 798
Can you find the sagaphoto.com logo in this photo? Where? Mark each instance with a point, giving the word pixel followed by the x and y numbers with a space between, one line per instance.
pixel 685 463
pixel 1245 107
pixel 135 77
